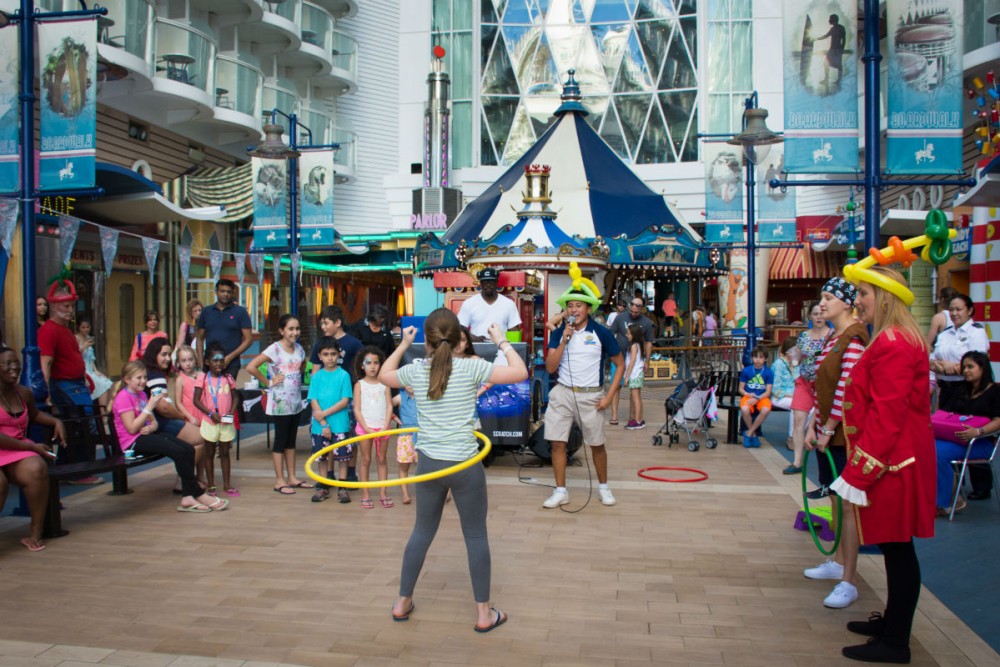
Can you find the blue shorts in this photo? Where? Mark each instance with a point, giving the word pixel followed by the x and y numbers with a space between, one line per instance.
pixel 339 454
pixel 171 426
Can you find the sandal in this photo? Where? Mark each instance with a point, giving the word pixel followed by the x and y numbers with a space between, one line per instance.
pixel 212 491
pixel 405 616
pixel 233 492
pixel 367 504
pixel 220 505
pixel 301 485
pixel 38 545
pixel 197 509
pixel 386 502
pixel 500 620
pixel 284 490
pixel 613 422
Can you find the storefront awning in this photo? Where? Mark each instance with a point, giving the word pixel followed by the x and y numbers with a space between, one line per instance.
pixel 803 264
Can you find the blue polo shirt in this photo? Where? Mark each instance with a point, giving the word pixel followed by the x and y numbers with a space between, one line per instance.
pixel 582 363
pixel 224 326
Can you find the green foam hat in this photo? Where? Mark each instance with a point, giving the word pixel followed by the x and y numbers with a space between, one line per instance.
pixel 582 289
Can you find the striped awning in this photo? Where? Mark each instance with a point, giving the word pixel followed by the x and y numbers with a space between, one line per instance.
pixel 804 264
pixel 231 187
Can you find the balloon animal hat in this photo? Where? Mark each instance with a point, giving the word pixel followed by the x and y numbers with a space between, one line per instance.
pixel 62 280
pixel 936 242
pixel 582 289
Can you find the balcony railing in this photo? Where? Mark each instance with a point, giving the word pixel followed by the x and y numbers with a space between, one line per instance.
pixel 346 156
pixel 185 54
pixel 276 96
pixel 345 52
pixel 319 123
pixel 287 9
pixel 317 27
pixel 238 86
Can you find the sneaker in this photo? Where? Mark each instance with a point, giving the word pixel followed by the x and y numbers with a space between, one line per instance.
pixel 631 425
pixel 320 496
pixel 873 627
pixel 818 494
pixel 842 596
pixel 640 424
pixel 747 442
pixel 877 649
pixel 828 569
pixel 343 497
pixel 792 470
pixel 606 497
pixel 557 498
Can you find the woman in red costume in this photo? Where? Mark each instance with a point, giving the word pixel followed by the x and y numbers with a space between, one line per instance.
pixel 890 472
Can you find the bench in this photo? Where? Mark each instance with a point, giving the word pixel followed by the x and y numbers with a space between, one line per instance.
pixel 89 433
pixel 727 393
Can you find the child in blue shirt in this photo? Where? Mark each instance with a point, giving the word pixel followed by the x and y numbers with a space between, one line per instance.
pixel 756 382
pixel 329 394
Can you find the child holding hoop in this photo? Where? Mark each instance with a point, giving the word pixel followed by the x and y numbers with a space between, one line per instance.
pixel 444 387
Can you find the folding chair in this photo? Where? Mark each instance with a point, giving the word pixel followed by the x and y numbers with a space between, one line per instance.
pixel 963 465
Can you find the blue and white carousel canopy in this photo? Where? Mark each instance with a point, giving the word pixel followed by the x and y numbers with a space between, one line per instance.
pixel 594 193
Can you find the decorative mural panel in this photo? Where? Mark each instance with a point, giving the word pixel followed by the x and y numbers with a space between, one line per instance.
pixel 634 60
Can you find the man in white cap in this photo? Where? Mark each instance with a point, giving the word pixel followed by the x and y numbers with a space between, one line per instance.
pixel 487 307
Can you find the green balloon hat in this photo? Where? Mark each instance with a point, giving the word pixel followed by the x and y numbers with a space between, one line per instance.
pixel 582 289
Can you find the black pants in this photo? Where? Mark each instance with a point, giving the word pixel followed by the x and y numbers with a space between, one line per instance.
pixel 286 428
pixel 181 453
pixel 902 573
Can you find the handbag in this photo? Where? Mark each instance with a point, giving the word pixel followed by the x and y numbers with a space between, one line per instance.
pixel 947 424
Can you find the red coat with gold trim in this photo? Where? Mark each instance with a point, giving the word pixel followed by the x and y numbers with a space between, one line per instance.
pixel 890 445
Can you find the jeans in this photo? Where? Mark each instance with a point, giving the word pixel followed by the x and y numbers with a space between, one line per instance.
pixel 952 451
pixel 71 399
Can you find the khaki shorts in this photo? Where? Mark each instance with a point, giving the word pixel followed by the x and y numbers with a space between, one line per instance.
pixel 567 407
pixel 212 432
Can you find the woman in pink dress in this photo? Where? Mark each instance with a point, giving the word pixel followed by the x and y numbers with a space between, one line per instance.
pixel 22 462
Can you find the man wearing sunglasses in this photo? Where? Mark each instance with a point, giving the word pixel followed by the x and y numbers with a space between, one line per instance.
pixel 634 314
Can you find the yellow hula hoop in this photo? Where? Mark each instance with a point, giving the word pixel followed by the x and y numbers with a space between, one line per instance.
pixel 379 483
pixel 855 273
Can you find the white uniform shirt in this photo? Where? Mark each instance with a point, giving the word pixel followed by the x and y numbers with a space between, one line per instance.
pixel 479 315
pixel 952 343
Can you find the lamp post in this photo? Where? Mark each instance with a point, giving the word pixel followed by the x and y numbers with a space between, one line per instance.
pixel 756 140
pixel 273 148
pixel 25 18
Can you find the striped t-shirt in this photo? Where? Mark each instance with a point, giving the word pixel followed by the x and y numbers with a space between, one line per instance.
pixel 851 355
pixel 446 424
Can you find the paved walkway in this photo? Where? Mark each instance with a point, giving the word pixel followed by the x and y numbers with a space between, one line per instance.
pixel 675 574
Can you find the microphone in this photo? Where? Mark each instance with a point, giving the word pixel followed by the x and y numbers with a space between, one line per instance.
pixel 571 319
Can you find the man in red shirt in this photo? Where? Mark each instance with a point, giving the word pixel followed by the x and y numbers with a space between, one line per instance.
pixel 64 370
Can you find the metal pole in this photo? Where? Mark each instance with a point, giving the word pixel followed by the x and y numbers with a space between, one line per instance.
pixel 873 135
pixel 31 375
pixel 750 103
pixel 293 209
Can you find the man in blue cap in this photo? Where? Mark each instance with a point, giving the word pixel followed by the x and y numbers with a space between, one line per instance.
pixel 487 307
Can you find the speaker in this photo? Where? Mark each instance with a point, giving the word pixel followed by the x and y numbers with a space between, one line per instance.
pixel 542 448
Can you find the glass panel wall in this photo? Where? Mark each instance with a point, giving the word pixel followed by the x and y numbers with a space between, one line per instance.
pixel 185 55
pixel 730 63
pixel 127 26
pixel 452 30
pixel 317 26
pixel 346 155
pixel 345 52
pixel 319 123
pixel 278 96
pixel 238 86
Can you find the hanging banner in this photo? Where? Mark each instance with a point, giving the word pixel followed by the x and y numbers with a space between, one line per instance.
pixel 733 293
pixel 109 248
pixel 821 86
pixel 9 209
pixel 270 203
pixel 294 259
pixel 276 267
pixel 925 87
pixel 151 248
pixel 723 193
pixel 67 63
pixel 184 259
pixel 316 203
pixel 69 229
pixel 215 258
pixel 775 209
pixel 241 267
pixel 257 264
pixel 9 112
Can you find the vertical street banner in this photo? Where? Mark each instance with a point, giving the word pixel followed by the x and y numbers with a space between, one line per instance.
pixel 9 126
pixel 925 87
pixel 821 86
pixel 723 193
pixel 67 73
pixel 733 292
pixel 316 199
pixel 270 203
pixel 775 209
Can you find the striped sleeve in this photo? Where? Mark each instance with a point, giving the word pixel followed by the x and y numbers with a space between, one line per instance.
pixel 851 356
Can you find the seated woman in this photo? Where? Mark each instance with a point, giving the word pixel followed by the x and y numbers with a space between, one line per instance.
pixel 978 396
pixel 22 462
pixel 137 430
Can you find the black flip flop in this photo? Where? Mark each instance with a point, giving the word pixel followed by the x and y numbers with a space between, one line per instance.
pixel 405 616
pixel 281 490
pixel 301 485
pixel 501 619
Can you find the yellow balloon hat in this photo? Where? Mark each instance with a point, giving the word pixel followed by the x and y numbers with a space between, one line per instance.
pixel 582 289
pixel 936 243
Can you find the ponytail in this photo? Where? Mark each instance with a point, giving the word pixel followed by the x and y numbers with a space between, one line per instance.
pixel 440 370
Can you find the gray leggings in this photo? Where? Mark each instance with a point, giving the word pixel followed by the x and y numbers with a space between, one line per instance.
pixel 468 488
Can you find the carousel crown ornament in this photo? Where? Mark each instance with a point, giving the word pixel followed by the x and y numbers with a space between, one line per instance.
pixel 581 289
pixel 936 244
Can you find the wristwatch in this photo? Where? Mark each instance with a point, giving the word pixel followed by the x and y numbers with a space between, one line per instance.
pixel 827 431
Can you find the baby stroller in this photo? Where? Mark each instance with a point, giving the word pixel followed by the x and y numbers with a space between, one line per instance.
pixel 690 409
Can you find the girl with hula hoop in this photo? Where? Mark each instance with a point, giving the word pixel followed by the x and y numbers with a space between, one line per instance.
pixel 445 387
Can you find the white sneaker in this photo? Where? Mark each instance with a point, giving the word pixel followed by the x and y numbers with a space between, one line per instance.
pixel 843 595
pixel 828 569
pixel 606 497
pixel 557 498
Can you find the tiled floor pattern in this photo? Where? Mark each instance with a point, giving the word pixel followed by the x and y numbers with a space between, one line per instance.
pixel 675 574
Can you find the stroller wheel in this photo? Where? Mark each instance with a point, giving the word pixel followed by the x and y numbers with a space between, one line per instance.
pixel 711 443
pixel 657 441
pixel 692 446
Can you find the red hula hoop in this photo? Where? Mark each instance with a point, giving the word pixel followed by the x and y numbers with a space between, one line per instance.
pixel 704 475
